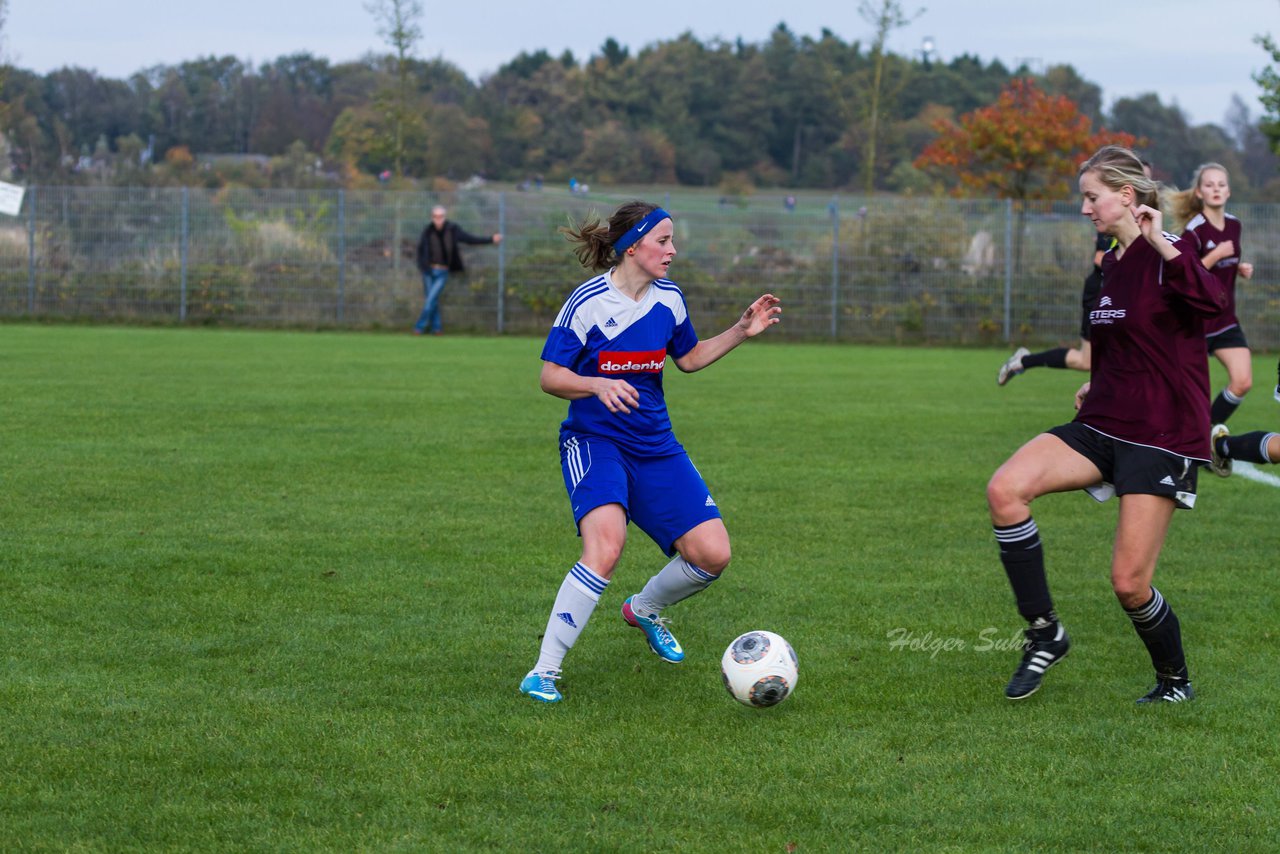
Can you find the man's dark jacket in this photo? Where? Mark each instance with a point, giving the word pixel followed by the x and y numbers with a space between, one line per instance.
pixel 450 235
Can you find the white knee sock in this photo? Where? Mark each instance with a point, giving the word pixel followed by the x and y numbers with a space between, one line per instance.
pixel 577 598
pixel 676 581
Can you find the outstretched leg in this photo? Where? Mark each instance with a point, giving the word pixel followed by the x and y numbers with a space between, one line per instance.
pixel 604 533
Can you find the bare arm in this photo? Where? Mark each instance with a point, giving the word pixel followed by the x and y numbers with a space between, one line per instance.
pixel 758 317
pixel 1225 249
pixel 616 395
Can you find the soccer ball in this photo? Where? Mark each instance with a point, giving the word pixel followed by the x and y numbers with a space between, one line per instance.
pixel 760 669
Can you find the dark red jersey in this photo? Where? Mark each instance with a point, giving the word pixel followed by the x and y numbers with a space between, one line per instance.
pixel 1150 375
pixel 1202 234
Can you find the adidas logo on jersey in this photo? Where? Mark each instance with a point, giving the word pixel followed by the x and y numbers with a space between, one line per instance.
pixel 610 323
pixel 567 618
pixel 1166 481
pixel 710 502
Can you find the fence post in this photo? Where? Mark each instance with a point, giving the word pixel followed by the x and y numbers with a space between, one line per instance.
pixel 502 261
pixel 396 225
pixel 342 251
pixel 1008 268
pixel 835 270
pixel 31 251
pixel 184 243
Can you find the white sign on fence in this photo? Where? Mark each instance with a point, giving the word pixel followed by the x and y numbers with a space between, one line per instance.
pixel 10 198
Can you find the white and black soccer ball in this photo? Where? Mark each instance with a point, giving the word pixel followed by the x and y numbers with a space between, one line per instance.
pixel 760 669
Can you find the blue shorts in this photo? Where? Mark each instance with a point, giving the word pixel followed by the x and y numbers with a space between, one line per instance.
pixel 664 496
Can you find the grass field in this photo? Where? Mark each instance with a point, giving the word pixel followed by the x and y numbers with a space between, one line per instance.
pixel 275 591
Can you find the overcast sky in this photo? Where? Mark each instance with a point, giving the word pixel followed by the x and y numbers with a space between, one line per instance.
pixel 1182 54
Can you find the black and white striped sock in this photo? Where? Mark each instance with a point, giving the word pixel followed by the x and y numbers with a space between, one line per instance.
pixel 1023 560
pixel 1160 631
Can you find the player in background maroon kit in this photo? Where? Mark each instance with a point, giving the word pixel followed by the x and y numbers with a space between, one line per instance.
pixel 1141 431
pixel 1215 234
pixel 1256 447
pixel 1074 358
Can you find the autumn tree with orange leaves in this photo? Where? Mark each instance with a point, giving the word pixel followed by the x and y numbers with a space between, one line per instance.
pixel 1027 145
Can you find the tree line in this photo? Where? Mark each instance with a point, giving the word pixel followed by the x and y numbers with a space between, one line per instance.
pixel 791 111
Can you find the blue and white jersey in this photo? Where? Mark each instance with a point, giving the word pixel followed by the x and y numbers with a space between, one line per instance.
pixel 601 332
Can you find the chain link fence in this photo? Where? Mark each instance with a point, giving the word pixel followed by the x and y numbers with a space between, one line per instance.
pixel 874 269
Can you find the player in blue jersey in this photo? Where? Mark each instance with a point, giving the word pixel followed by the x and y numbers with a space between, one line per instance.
pixel 620 459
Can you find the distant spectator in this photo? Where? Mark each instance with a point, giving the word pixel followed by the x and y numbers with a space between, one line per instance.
pixel 438 256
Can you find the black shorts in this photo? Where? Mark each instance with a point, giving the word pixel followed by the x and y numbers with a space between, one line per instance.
pixel 1227 338
pixel 1129 469
pixel 1088 297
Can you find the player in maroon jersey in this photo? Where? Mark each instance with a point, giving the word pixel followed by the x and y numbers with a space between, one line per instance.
pixel 1140 433
pixel 1215 234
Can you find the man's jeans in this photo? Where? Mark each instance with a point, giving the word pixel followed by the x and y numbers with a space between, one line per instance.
pixel 432 284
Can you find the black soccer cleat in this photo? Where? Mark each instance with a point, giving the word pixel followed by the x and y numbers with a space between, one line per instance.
pixel 1169 690
pixel 1037 657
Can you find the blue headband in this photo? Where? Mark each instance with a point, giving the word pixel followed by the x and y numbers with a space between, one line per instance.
pixel 638 230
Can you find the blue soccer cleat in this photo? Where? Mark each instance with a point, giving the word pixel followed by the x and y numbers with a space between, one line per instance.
pixel 661 641
pixel 541 686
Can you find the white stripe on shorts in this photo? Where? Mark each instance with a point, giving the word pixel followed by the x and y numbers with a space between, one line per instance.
pixel 573 459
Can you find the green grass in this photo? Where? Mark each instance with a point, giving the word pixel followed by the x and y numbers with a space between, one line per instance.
pixel 275 591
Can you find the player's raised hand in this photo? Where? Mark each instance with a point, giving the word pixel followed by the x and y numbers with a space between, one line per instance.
pixel 1150 222
pixel 760 315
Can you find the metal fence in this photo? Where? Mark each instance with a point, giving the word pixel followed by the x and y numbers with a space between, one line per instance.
pixel 848 268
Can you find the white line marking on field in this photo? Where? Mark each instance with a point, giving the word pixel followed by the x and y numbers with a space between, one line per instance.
pixel 1250 472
